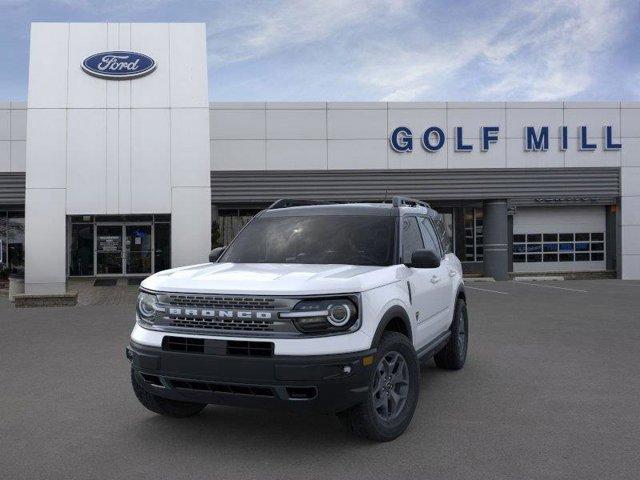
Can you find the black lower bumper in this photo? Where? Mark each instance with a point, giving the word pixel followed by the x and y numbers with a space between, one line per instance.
pixel 325 383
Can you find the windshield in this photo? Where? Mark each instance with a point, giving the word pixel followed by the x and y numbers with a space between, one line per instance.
pixel 349 240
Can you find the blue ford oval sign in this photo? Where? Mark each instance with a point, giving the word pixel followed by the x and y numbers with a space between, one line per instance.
pixel 118 65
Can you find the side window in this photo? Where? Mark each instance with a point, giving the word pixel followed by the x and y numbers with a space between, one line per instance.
pixel 430 239
pixel 411 238
pixel 443 233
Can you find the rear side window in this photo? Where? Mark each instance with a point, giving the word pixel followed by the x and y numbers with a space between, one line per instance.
pixel 443 235
pixel 411 238
pixel 430 239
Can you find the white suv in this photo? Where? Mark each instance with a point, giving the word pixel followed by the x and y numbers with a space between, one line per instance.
pixel 325 307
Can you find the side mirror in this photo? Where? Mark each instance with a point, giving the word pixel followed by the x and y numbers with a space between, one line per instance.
pixel 215 254
pixel 424 259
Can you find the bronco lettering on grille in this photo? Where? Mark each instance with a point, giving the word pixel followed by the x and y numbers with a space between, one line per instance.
pixel 214 313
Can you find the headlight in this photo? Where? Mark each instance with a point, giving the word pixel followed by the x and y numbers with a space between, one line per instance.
pixel 326 315
pixel 146 307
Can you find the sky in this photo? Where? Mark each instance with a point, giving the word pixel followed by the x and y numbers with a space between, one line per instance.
pixel 377 50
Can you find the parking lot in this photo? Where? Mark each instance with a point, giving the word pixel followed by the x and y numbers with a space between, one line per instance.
pixel 551 390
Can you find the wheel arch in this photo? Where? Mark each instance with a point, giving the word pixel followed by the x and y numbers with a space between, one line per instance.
pixel 395 319
pixel 460 294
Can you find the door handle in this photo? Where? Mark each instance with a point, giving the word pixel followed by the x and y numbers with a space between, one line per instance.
pixel 435 279
pixel 452 273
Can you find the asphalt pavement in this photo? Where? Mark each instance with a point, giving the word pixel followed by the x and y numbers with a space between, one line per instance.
pixel 551 390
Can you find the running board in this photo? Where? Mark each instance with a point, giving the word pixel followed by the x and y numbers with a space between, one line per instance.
pixel 431 348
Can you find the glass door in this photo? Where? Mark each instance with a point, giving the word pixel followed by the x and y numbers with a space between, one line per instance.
pixel 109 257
pixel 138 249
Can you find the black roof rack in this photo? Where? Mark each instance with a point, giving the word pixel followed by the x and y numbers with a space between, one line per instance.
pixel 398 201
pixel 290 202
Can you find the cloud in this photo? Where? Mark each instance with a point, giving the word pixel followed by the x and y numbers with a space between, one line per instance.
pixel 408 50
pixel 547 50
pixel 260 29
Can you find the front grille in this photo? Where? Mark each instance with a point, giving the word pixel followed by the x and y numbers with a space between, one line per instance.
pixel 183 344
pixel 250 349
pixel 226 324
pixel 222 302
pixel 218 314
pixel 253 390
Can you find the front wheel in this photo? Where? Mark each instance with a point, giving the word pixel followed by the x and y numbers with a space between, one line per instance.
pixel 393 392
pixel 454 354
pixel 164 406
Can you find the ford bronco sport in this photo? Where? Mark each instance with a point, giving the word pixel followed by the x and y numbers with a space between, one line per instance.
pixel 325 307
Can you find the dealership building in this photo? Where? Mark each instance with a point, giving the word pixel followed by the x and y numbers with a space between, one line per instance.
pixel 118 165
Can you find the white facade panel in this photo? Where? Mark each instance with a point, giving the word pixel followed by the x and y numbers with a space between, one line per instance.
pixel 630 122
pixel 18 124
pixel 598 158
pixel 519 118
pixel 630 153
pixel 124 86
pixel 150 160
pixel 630 211
pixel 238 124
pixel 356 124
pixel 494 157
pixel 417 120
pixel 5 124
pixel 86 161
pixel 517 157
pixel 5 156
pixel 357 154
pixel 418 158
pixel 152 91
pixel 630 181
pixel 124 161
pixel 113 43
pixel 190 225
pixel 47 148
pixel 630 268
pixel 296 155
pixel 45 241
pixel 296 124
pixel 85 91
pixel 592 118
pixel 631 239
pixel 48 62
pixel 190 165
pixel 188 54
pixel 471 119
pixel 112 161
pixel 238 155
pixel 18 156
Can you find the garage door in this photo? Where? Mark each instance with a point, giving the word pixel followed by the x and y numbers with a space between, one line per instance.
pixel 559 239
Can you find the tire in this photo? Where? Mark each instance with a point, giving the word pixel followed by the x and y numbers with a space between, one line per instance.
pixel 368 420
pixel 454 354
pixel 164 406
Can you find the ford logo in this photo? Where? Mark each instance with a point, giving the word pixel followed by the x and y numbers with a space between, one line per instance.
pixel 118 65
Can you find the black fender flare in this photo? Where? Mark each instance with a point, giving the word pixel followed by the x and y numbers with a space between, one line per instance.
pixel 393 312
pixel 461 293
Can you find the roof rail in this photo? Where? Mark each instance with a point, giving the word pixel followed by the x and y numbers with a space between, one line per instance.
pixel 290 202
pixel 398 201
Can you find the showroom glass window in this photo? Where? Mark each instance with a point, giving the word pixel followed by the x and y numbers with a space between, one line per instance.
pixel 12 238
pixel 558 247
pixel 473 234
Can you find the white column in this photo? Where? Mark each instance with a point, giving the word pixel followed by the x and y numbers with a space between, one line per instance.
pixel 45 241
pixel 630 191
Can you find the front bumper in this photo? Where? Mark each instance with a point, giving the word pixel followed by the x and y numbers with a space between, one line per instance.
pixel 324 383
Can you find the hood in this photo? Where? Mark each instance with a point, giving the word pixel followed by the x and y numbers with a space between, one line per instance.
pixel 270 278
